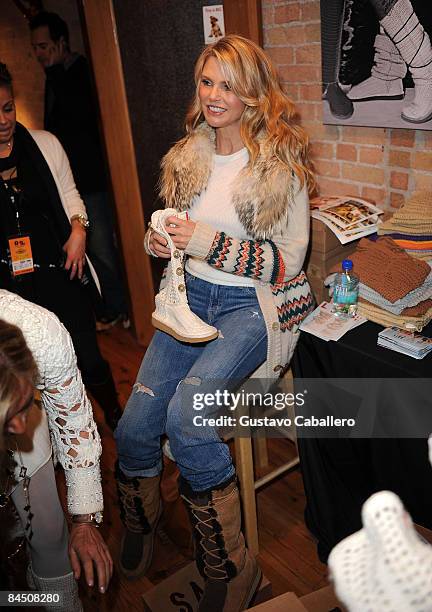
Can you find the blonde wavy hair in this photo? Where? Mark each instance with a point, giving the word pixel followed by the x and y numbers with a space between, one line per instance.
pixel 268 110
pixel 18 372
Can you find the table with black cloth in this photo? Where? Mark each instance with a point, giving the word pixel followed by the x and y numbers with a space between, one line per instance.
pixel 341 473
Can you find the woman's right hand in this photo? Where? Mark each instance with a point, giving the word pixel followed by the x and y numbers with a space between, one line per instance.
pixel 158 244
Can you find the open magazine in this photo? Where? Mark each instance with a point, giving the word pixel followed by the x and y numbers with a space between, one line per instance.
pixel 348 218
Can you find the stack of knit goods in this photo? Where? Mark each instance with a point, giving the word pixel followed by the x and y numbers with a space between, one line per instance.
pixel 411 226
pixel 395 288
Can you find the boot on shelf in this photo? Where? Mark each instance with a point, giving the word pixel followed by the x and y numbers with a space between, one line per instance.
pixel 140 511
pixel 385 82
pixel 106 396
pixel 403 27
pixel 332 15
pixel 66 586
pixel 231 574
pixel 172 314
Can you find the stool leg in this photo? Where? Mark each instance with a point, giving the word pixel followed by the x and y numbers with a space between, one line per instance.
pixel 244 468
pixel 260 453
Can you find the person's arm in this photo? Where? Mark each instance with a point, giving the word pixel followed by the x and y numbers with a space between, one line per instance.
pixel 271 261
pixel 74 207
pixel 78 448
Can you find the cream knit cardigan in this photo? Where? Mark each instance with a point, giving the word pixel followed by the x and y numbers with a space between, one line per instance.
pixel 273 210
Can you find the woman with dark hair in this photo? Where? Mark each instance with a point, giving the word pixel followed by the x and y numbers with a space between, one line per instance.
pixel 43 226
pixel 242 171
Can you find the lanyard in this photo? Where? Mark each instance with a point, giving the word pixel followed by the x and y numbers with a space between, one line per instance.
pixel 15 201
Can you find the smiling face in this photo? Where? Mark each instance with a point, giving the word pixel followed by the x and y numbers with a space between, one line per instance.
pixel 7 117
pixel 222 109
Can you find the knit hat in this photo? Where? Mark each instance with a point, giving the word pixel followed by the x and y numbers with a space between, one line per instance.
pixel 411 225
pixel 386 566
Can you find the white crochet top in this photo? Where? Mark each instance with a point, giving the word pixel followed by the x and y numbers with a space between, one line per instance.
pixel 74 434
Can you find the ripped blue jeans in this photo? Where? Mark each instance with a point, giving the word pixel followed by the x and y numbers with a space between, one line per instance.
pixel 172 373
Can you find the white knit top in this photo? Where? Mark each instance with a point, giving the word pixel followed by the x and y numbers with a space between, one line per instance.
pixel 215 207
pixel 73 430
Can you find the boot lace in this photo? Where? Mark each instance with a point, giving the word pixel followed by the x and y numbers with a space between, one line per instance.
pixel 211 542
pixel 131 507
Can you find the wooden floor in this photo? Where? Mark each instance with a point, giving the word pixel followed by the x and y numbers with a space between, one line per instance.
pixel 287 551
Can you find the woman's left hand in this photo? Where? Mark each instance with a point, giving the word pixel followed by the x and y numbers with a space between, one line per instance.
pixel 88 549
pixel 75 251
pixel 182 232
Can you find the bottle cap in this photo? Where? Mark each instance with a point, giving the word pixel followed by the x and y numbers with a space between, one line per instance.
pixel 347 264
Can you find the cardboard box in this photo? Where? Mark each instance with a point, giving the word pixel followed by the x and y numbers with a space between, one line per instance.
pixel 325 252
pixel 424 532
pixel 183 590
pixel 322 237
pixel 288 602
pixel 323 600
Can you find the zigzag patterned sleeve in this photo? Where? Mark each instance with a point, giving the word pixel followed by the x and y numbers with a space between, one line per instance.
pixel 257 259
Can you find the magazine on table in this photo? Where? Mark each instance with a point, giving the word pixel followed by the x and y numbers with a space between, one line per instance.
pixel 323 323
pixel 348 218
pixel 411 344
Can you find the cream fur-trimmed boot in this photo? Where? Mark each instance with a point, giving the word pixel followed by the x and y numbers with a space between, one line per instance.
pixel 414 45
pixel 172 314
pixel 385 82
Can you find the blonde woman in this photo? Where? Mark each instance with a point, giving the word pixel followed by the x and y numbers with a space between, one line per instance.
pixel 242 173
pixel 18 373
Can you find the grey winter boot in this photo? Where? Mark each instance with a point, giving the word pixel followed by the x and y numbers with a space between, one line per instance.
pixel 140 511
pixel 414 45
pixel 231 574
pixel 385 82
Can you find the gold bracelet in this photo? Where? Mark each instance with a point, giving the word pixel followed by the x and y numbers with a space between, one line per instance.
pixel 82 220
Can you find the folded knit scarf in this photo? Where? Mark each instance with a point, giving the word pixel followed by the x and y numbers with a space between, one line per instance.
pixel 382 317
pixel 416 245
pixel 386 268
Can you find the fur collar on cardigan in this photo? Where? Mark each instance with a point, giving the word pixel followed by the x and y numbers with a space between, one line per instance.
pixel 261 195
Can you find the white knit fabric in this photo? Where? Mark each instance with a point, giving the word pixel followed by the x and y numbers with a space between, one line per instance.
pixel 73 430
pixel 386 566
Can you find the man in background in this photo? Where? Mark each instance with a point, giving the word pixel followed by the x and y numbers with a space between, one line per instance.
pixel 71 114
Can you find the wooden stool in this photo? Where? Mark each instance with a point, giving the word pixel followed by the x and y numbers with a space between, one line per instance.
pixel 248 484
pixel 249 453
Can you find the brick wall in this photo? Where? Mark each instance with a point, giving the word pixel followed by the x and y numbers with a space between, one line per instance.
pixel 384 165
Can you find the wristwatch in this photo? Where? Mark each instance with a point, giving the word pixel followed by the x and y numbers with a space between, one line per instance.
pixel 94 518
pixel 82 220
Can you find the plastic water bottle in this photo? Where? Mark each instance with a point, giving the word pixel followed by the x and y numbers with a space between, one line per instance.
pixel 345 291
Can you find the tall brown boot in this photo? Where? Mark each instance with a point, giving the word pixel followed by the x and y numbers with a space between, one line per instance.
pixel 140 510
pixel 175 521
pixel 231 574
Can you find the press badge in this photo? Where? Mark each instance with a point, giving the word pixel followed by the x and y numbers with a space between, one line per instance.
pixel 21 255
